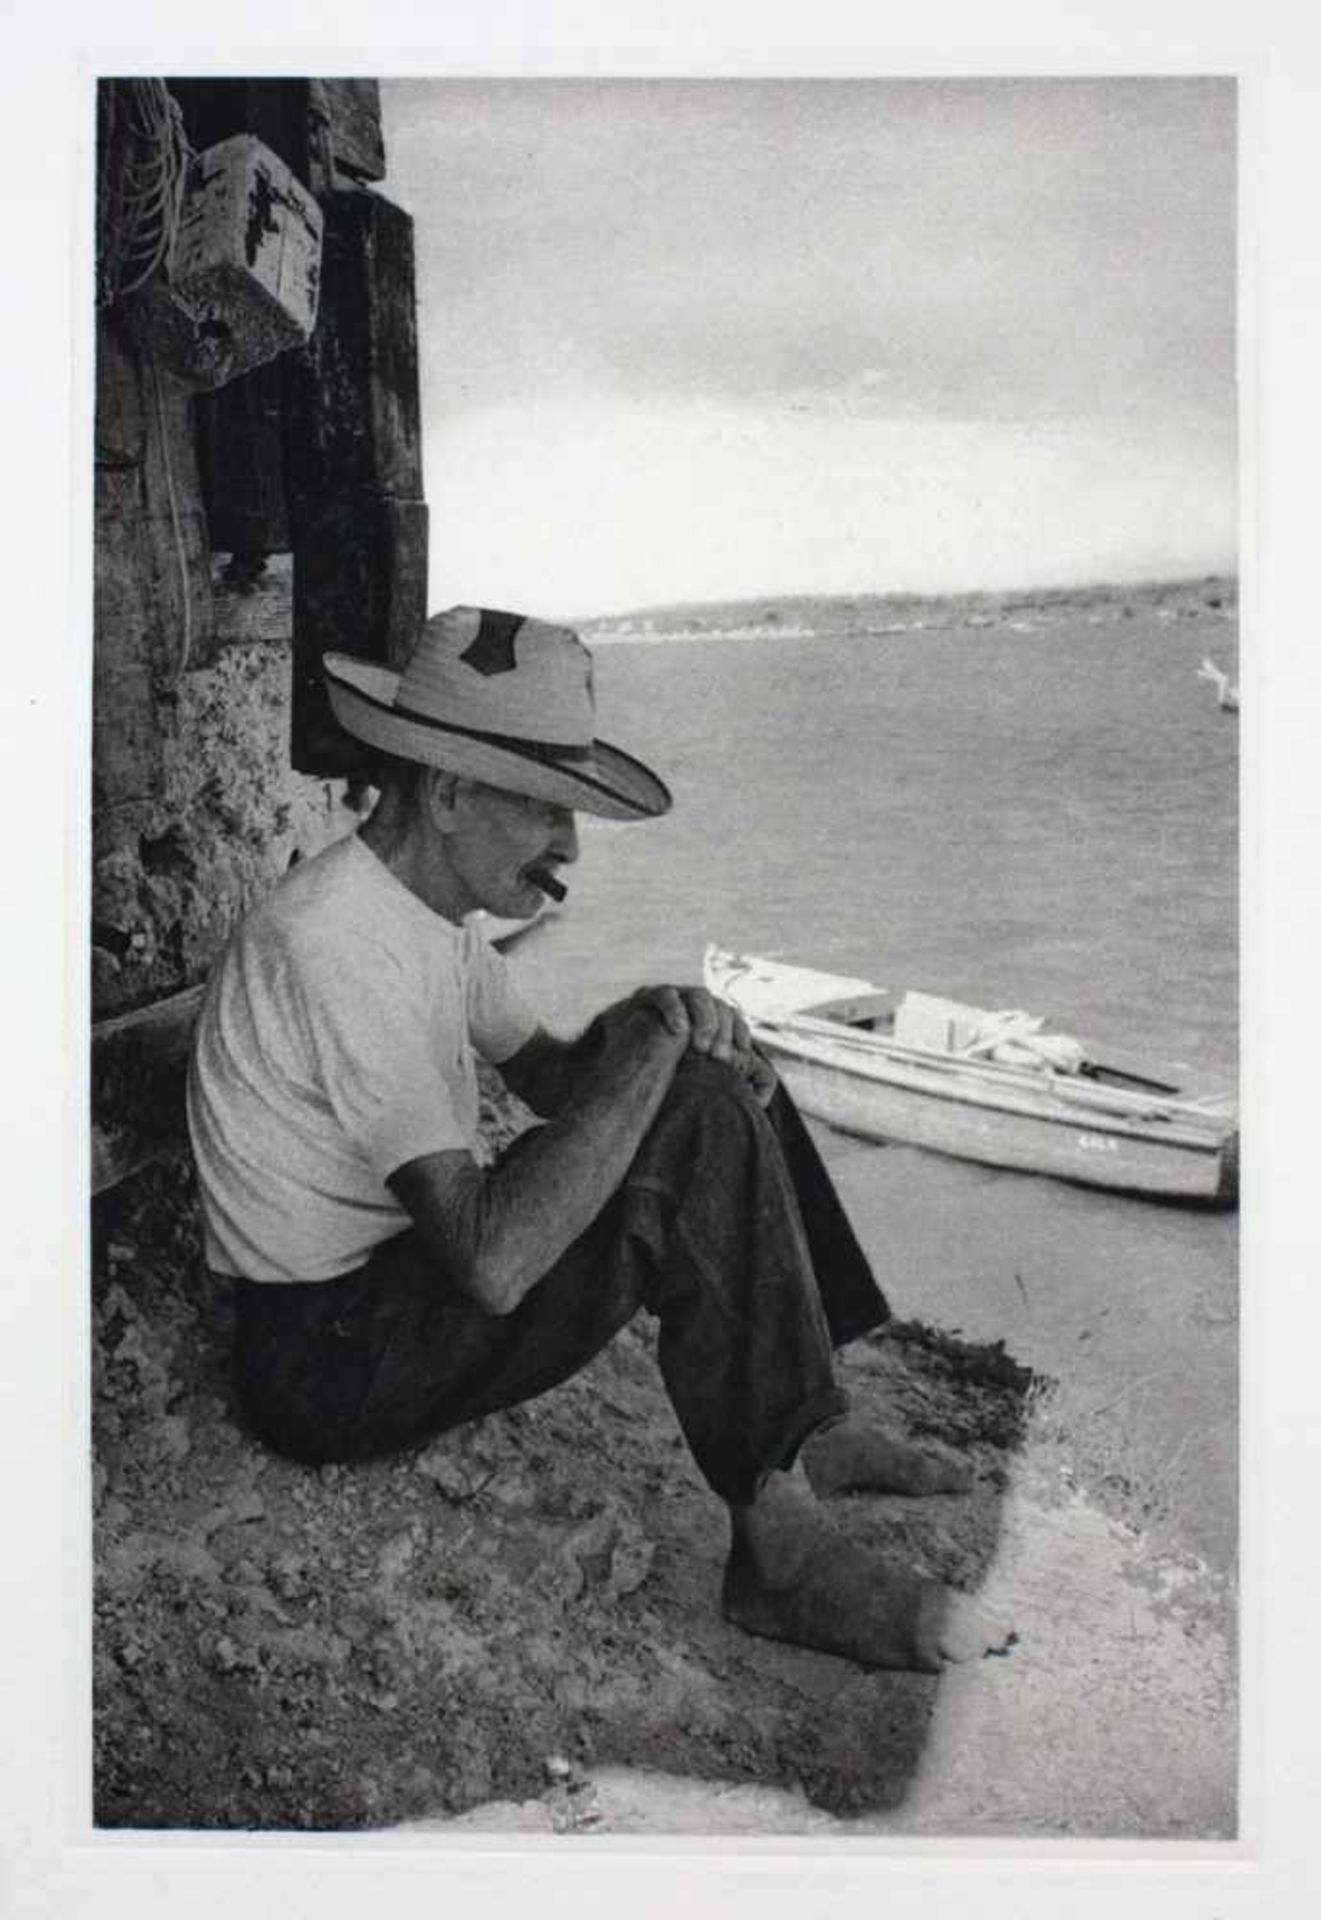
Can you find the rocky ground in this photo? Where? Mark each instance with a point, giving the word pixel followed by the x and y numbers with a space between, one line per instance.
pixel 482 1620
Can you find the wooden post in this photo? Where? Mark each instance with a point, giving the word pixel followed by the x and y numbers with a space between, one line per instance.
pixel 240 457
pixel 324 130
pixel 276 111
pixel 351 110
pixel 360 570
pixel 354 387
pixel 355 468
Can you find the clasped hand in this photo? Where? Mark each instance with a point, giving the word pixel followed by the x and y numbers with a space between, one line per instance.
pixel 712 1027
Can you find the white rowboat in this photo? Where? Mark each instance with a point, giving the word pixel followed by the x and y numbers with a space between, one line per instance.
pixel 995 1088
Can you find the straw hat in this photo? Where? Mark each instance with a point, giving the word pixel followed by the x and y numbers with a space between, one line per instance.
pixel 498 698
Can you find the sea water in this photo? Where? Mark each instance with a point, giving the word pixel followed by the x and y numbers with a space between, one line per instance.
pixel 1038 815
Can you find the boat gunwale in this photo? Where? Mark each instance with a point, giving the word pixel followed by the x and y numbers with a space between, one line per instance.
pixel 983 1092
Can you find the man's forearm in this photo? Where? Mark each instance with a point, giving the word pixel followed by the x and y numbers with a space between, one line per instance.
pixel 548 1072
pixel 538 1202
pixel 500 1231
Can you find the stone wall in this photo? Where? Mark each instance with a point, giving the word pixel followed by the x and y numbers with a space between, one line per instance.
pixel 195 809
pixel 207 686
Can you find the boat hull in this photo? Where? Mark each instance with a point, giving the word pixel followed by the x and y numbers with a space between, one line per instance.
pixel 1127 1137
pixel 1071 1149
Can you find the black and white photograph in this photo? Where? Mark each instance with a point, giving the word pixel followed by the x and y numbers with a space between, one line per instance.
pixel 686 1286
pixel 663 864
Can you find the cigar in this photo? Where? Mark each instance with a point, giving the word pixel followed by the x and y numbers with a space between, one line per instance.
pixel 545 879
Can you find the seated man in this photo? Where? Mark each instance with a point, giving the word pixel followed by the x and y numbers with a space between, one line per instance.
pixel 390 1284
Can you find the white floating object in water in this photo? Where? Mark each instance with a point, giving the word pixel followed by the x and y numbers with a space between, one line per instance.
pixel 1226 694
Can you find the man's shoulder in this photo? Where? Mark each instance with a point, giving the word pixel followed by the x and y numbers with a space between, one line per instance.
pixel 323 900
pixel 340 917
pixel 339 881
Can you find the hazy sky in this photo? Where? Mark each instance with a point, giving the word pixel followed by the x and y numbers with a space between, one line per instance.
pixel 701 339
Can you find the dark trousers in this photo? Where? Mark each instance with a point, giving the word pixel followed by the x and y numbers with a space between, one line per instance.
pixel 726 1227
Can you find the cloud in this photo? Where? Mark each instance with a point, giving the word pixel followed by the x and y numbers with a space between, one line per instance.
pixel 1000 247
pixel 592 507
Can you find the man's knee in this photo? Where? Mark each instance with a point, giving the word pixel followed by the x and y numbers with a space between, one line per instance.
pixel 701 1079
pixel 709 1113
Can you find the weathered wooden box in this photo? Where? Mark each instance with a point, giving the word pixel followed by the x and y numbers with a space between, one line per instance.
pixel 249 242
pixel 243 277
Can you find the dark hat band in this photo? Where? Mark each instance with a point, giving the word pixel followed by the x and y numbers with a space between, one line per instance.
pixel 549 752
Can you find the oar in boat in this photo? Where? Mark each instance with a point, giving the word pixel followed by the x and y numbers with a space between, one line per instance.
pixel 1018 1088
pixel 1120 1070
pixel 1079 1092
pixel 846 1008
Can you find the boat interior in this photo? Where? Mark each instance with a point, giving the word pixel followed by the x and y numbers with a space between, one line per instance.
pixel 875 1012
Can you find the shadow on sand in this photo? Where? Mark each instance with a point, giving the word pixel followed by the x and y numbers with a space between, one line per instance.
pixel 280 1647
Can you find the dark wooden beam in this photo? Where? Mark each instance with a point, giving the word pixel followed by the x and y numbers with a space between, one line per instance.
pixel 353 114
pixel 276 111
pixel 359 521
pixel 240 457
pixel 355 404
pixel 139 1081
pixel 360 574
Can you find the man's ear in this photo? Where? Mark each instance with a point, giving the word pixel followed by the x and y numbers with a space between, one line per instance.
pixel 438 794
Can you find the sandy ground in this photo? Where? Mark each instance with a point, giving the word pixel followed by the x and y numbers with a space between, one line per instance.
pixel 1114 1719
pixel 1130 1306
pixel 1116 1546
pixel 517 1628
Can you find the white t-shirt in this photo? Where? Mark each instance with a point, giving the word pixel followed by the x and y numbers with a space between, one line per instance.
pixel 336 1043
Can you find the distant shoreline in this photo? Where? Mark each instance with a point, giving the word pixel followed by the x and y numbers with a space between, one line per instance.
pixel 805 616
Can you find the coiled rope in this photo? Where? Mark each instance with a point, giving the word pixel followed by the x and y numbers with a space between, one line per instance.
pixel 176 526
pixel 146 159
pixel 154 157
